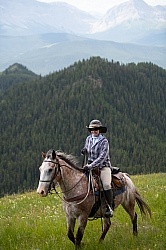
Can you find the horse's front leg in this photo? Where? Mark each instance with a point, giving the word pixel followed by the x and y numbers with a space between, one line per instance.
pixel 82 221
pixel 70 228
pixel 107 224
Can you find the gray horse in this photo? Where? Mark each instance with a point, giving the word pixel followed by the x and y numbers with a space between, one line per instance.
pixel 78 198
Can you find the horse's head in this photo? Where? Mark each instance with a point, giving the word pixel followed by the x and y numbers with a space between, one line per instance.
pixel 48 172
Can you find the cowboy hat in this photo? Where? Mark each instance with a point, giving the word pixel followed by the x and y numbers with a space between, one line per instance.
pixel 96 124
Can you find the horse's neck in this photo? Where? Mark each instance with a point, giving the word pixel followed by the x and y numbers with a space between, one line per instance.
pixel 72 182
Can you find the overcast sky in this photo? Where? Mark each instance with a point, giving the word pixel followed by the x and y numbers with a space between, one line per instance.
pixel 101 6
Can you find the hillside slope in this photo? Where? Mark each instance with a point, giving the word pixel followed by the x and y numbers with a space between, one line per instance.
pixel 28 221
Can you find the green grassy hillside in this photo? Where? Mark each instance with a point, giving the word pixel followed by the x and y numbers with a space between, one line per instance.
pixel 29 222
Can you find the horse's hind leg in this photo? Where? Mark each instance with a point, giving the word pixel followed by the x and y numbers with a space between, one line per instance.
pixel 134 221
pixel 133 216
pixel 70 227
pixel 107 224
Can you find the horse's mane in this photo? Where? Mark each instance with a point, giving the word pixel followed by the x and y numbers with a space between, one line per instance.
pixel 68 158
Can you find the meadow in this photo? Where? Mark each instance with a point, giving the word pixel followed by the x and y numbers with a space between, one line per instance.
pixel 29 222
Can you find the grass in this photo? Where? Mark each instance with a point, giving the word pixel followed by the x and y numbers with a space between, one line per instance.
pixel 29 222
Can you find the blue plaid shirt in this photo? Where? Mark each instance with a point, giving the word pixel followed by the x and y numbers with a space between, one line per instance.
pixel 98 153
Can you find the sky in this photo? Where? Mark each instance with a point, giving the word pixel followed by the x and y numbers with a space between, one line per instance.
pixel 100 6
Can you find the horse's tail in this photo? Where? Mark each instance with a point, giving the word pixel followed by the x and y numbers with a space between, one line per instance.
pixel 143 206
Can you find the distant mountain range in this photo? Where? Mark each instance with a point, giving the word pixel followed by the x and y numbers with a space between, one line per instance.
pixel 47 37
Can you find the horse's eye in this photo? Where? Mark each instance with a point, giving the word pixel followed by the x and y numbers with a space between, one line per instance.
pixel 50 170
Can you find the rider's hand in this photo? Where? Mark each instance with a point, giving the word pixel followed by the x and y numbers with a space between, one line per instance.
pixel 84 151
pixel 86 168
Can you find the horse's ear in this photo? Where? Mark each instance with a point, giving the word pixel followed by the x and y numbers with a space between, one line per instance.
pixel 43 155
pixel 53 155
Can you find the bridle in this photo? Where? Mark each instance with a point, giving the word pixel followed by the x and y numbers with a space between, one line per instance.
pixel 54 176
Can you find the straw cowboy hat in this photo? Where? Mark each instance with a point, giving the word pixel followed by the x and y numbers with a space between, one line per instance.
pixel 96 124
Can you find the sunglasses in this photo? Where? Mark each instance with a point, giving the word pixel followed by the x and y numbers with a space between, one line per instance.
pixel 93 129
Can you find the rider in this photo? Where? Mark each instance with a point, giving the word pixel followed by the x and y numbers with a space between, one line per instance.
pixel 97 148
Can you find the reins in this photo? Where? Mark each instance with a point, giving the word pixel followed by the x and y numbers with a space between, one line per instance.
pixel 73 186
pixel 74 199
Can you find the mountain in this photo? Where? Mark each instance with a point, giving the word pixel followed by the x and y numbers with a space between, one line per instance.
pixel 30 17
pixel 53 111
pixel 36 51
pixel 15 74
pixel 130 22
pixel 50 36
pixel 16 69
pixel 51 52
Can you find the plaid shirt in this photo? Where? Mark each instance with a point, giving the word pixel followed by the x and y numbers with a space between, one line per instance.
pixel 98 154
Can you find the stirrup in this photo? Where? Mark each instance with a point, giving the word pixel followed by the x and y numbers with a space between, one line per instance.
pixel 109 211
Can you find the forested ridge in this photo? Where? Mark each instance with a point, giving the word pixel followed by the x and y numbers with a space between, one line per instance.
pixel 53 111
pixel 15 74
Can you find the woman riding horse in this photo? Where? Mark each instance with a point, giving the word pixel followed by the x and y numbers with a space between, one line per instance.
pixel 97 148
pixel 78 200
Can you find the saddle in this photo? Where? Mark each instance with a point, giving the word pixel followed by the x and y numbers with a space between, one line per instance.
pixel 118 179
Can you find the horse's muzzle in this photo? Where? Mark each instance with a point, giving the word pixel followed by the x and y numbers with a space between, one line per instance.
pixel 42 192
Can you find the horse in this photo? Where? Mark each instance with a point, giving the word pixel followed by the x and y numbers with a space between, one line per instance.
pixel 59 168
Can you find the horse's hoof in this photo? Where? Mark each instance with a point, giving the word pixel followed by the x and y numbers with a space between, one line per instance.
pixel 101 240
pixel 79 246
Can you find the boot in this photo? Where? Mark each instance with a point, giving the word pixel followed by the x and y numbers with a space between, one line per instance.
pixel 109 199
